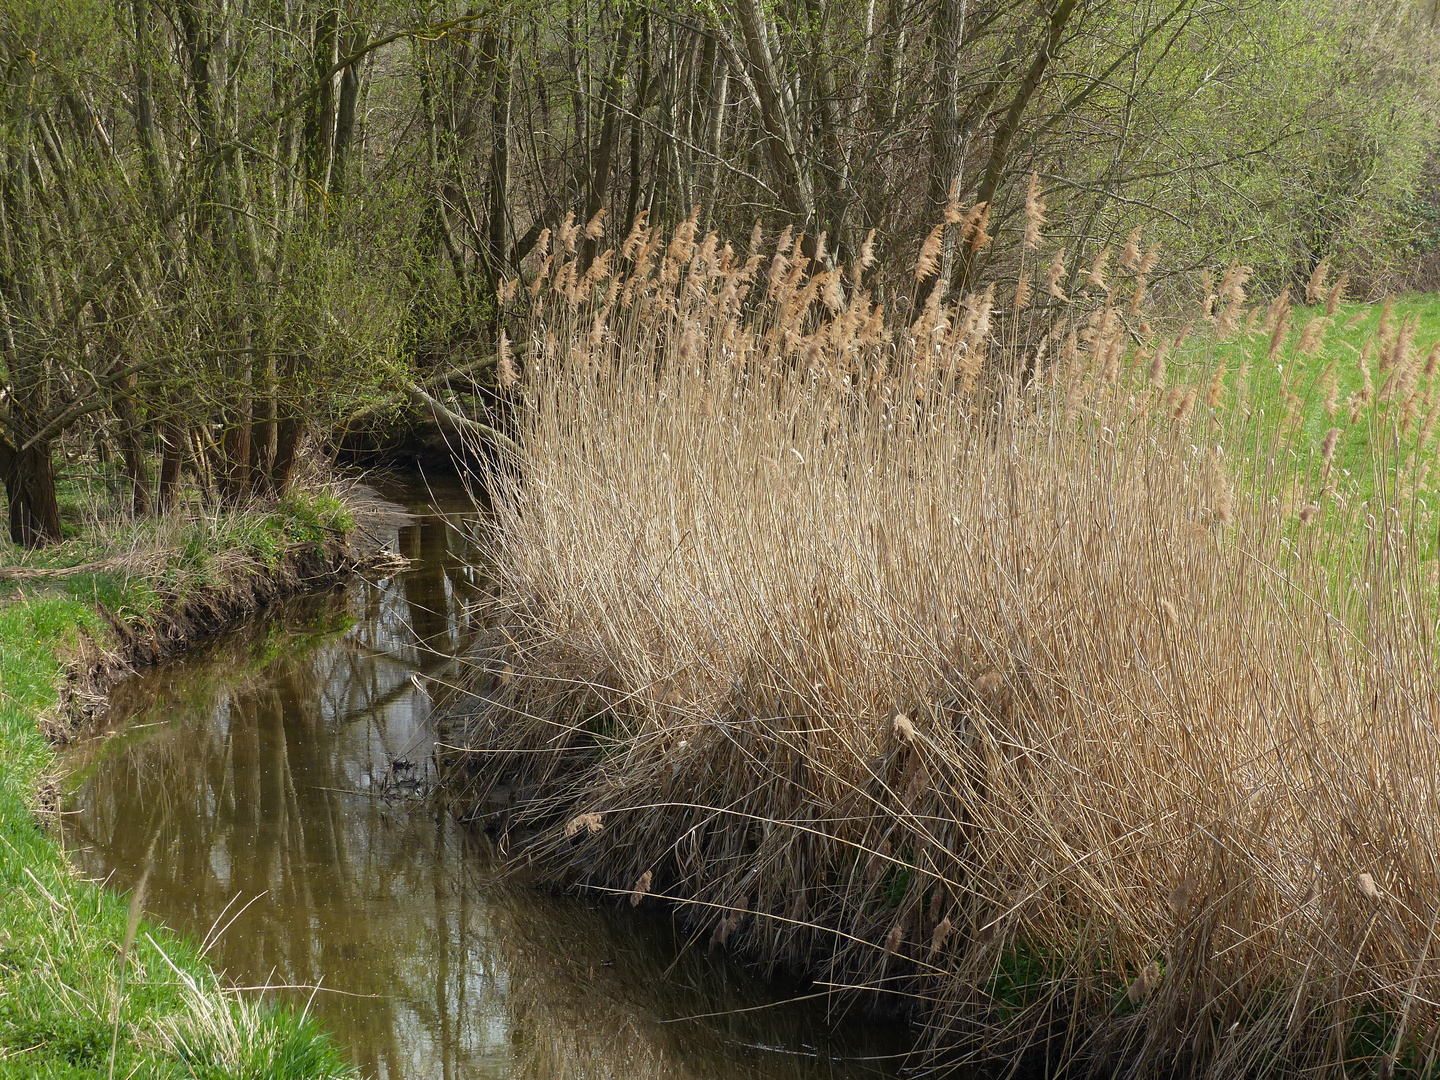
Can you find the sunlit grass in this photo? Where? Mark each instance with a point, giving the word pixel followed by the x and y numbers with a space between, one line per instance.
pixel 61 938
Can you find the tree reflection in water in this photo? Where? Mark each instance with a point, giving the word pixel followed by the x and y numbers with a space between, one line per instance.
pixel 259 760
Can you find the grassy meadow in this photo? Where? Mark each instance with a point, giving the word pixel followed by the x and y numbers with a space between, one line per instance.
pixel 1063 685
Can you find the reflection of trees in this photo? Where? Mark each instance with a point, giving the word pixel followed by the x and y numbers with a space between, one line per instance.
pixel 255 776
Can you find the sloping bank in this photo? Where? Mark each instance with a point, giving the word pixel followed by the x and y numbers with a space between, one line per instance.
pixel 87 987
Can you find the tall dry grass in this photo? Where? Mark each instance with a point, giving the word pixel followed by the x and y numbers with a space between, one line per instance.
pixel 1022 694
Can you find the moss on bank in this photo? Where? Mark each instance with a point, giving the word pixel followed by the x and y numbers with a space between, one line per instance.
pixel 64 1008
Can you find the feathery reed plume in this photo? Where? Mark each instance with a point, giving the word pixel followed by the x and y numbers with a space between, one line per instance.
pixel 1330 382
pixel 1097 268
pixel 1054 274
pixel 1337 293
pixel 1221 496
pixel 682 244
pixel 1227 321
pixel 567 232
pixel 1280 324
pixel 591 823
pixel 1167 609
pixel 1367 886
pixel 1156 372
pixel 505 294
pixel 1312 336
pixel 779 265
pixel 1186 405
pixel 1427 428
pixel 1385 331
pixel 927 263
pixel 1130 256
pixel 904 729
pixel 635 239
pixel 1144 983
pixel 1315 288
pixel 727 926
pixel 595 227
pixel 1232 285
pixel 505 371
pixel 941 933
pixel 1328 444
pixel 867 251
pixel 1215 392
pixel 1275 314
pixel 1150 259
pixel 1137 297
pixel 1034 212
pixel 1022 291
pixel 952 215
pixel 893 939
pixel 980 237
pixel 641 889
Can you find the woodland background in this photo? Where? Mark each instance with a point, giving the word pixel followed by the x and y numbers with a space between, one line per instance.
pixel 234 228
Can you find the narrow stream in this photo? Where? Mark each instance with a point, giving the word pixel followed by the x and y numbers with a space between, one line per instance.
pixel 263 768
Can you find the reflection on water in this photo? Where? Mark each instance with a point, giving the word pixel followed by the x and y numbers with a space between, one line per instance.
pixel 268 766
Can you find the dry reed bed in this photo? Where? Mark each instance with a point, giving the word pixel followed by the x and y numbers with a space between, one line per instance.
pixel 1006 705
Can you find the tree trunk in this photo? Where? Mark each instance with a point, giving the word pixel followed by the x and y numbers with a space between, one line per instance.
pixel 1005 129
pixel 172 459
pixel 345 120
pixel 290 433
pixel 609 129
pixel 498 213
pixel 235 447
pixel 137 468
pixel 30 489
pixel 320 122
pixel 637 127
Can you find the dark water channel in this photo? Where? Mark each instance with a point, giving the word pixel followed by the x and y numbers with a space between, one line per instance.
pixel 262 768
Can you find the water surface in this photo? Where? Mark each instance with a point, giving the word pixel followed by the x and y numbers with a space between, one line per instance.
pixel 280 775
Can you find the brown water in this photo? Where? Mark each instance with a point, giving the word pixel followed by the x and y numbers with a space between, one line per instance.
pixel 263 769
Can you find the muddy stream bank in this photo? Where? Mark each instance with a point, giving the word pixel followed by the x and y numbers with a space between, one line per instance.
pixel 275 783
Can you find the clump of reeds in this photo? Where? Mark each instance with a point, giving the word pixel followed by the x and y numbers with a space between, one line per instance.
pixel 1071 705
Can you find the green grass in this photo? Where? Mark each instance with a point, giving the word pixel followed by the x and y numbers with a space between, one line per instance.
pixel 1273 418
pixel 1304 377
pixel 170 555
pixel 61 938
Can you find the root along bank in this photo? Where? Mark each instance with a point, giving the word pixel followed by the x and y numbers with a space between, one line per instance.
pixel 1087 712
